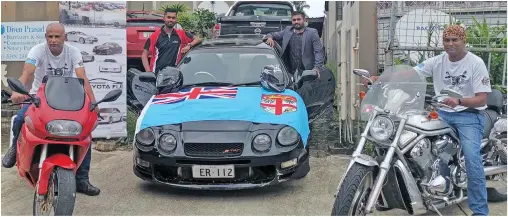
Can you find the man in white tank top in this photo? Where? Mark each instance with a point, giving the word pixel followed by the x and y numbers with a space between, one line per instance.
pixel 53 57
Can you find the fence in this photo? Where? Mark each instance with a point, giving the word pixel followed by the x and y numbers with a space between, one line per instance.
pixel 410 32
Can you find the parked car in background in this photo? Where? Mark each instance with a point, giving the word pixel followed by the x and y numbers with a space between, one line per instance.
pixel 108 48
pixel 87 57
pixel 109 115
pixel 255 17
pixel 140 25
pixel 80 37
pixel 110 65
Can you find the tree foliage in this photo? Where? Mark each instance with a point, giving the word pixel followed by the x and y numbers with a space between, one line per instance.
pixel 180 8
pixel 300 5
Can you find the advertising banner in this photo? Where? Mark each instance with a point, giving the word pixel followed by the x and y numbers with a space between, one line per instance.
pixel 19 37
pixel 98 30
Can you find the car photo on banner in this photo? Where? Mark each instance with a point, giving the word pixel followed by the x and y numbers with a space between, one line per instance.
pixel 98 30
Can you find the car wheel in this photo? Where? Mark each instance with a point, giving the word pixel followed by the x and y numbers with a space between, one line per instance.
pixel 81 40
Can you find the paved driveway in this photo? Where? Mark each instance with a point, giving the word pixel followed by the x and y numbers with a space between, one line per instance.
pixel 125 194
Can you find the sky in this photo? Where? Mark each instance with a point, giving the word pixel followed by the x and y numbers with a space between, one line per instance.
pixel 316 8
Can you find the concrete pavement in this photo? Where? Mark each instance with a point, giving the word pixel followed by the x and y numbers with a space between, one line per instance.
pixel 122 193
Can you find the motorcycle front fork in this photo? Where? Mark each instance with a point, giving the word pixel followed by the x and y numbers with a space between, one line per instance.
pixel 44 154
pixel 383 168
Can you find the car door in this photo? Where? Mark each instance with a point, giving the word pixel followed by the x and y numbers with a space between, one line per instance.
pixel 318 94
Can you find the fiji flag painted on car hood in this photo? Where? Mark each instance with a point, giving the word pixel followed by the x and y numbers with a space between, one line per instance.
pixel 253 104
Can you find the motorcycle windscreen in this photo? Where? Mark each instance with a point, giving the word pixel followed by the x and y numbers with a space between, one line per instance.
pixel 142 91
pixel 398 89
pixel 65 93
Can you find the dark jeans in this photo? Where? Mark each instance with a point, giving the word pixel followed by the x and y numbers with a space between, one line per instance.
pixel 84 168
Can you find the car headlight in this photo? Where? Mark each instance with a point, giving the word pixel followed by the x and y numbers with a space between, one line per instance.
pixel 262 142
pixel 167 142
pixel 63 128
pixel 145 137
pixel 287 136
pixel 382 128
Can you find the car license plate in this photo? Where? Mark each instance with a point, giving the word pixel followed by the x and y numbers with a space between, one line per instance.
pixel 147 34
pixel 213 171
pixel 258 24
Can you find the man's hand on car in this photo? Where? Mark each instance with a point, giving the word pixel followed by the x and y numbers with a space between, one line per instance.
pixel 317 72
pixel 269 41
pixel 186 48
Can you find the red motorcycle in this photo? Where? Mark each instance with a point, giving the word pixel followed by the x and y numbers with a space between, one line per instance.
pixel 54 139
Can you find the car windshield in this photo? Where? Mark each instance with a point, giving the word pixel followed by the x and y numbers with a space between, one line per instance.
pixel 226 65
pixel 398 89
pixel 109 60
pixel 263 9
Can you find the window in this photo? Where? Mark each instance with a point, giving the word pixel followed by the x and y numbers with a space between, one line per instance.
pixel 230 65
pixel 263 9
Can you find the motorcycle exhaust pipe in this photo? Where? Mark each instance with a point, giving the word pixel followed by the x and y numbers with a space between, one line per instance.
pixel 494 170
pixel 441 205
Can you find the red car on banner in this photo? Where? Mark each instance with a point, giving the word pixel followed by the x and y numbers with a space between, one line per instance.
pixel 140 25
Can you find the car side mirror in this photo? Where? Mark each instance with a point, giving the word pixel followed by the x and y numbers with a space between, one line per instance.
pixel 452 93
pixel 147 77
pixel 17 86
pixel 110 97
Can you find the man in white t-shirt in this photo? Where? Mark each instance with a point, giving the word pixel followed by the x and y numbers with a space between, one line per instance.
pixel 53 57
pixel 466 73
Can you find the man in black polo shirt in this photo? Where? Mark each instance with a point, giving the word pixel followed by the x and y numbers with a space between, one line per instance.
pixel 169 44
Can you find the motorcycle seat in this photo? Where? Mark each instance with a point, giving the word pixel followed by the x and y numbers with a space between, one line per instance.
pixel 490 119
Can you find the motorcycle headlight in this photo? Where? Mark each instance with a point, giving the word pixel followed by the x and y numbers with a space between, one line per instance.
pixel 382 128
pixel 63 128
pixel 167 142
pixel 145 137
pixel 287 136
pixel 262 142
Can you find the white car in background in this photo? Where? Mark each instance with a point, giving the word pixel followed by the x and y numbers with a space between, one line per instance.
pixel 109 115
pixel 87 57
pixel 110 65
pixel 80 37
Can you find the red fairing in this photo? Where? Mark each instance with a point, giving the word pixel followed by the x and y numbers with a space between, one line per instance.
pixel 59 160
pixel 35 134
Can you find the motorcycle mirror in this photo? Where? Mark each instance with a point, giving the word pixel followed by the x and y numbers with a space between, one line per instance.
pixel 17 86
pixel 361 72
pixel 147 77
pixel 452 93
pixel 110 97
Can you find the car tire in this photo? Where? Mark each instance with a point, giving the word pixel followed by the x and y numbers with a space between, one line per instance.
pixel 302 170
pixel 81 40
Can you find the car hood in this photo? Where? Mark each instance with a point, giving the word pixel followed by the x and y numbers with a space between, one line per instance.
pixel 249 104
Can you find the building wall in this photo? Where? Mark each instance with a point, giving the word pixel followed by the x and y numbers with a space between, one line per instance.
pixel 26 11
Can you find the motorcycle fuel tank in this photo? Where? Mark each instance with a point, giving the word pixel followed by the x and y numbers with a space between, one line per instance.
pixel 425 123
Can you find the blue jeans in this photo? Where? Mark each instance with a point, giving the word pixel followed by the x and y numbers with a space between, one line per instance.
pixel 470 131
pixel 84 168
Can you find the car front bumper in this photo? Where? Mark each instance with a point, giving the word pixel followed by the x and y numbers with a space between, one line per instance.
pixel 250 172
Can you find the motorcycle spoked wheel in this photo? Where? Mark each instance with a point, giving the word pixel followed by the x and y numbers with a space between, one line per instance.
pixel 354 191
pixel 60 197
pixel 498 194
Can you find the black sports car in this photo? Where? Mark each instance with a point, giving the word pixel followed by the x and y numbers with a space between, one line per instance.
pixel 245 137
pixel 108 48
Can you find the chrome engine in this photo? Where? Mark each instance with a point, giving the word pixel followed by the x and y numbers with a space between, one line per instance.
pixel 440 165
